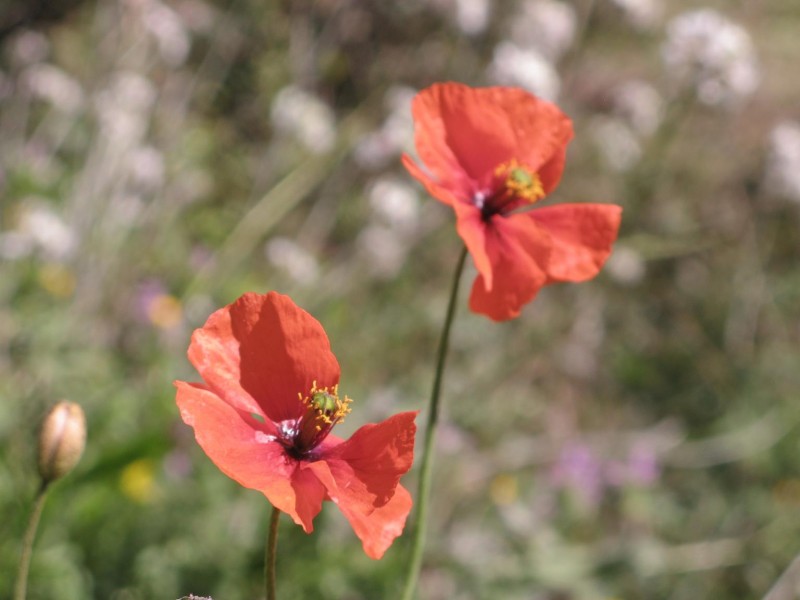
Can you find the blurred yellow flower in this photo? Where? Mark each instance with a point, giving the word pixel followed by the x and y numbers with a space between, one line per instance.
pixel 165 311
pixel 504 489
pixel 137 481
pixel 57 280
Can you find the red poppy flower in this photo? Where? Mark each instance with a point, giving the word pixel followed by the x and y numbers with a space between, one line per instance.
pixel 488 152
pixel 265 413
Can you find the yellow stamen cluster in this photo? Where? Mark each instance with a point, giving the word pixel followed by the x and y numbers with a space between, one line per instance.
pixel 520 181
pixel 324 406
pixel 324 409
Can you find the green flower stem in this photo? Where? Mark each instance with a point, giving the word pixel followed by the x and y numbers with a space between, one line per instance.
pixel 27 545
pixel 426 470
pixel 271 554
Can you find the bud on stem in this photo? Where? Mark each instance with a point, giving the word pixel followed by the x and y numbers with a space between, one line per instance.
pixel 61 441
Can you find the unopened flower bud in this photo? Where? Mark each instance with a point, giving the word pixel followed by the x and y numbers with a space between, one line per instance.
pixel 61 441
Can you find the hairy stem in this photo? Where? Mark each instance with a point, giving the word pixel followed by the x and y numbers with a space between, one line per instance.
pixel 426 470
pixel 21 588
pixel 271 554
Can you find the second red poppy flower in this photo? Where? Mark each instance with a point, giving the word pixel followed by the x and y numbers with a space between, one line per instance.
pixel 487 153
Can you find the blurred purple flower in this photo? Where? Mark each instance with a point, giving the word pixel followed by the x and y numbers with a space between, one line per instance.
pixel 578 469
pixel 642 466
pixel 147 291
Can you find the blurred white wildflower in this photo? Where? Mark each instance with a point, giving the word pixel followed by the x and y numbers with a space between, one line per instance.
pixel 708 52
pixel 50 83
pixel 383 250
pixel 472 16
pixel 123 108
pixel 782 176
pixel 29 47
pixel 642 14
pixel 46 230
pixel 545 25
pixel 295 260
pixel 306 117
pixel 640 105
pixel 524 67
pixel 376 149
pixel 134 91
pixel 396 203
pixel 169 31
pixel 398 100
pixel 399 126
pixel 396 222
pixel 617 143
pixel 625 265
pixel 146 168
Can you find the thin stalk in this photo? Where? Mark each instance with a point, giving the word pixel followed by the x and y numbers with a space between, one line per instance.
pixel 426 470
pixel 271 554
pixel 27 545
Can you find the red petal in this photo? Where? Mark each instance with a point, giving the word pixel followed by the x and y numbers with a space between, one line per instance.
pixel 309 494
pixel 582 235
pixel 550 172
pixel 362 474
pixel 261 351
pixel 543 132
pixel 378 527
pixel 245 451
pixel 481 128
pixel 518 251
pixel 378 455
pixel 472 229
pixel 440 192
pixel 431 142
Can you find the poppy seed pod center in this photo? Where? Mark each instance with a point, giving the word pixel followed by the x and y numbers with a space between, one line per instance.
pixel 514 184
pixel 324 409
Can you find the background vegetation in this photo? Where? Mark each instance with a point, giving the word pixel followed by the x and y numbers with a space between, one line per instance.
pixel 632 437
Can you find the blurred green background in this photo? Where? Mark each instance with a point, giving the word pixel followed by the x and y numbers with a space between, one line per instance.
pixel 631 437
